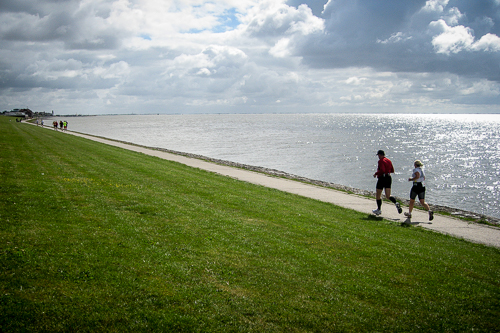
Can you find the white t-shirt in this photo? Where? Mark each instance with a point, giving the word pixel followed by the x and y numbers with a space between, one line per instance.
pixel 422 175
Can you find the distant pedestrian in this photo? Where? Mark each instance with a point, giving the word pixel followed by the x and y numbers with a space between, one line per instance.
pixel 418 189
pixel 384 170
pixel 54 123
pixel 61 124
pixel 42 122
pixel 65 125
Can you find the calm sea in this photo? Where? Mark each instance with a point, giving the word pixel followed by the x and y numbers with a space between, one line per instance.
pixel 461 152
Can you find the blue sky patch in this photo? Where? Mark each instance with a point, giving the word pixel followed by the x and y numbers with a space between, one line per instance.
pixel 228 21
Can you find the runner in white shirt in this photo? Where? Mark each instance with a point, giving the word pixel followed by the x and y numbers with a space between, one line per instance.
pixel 418 189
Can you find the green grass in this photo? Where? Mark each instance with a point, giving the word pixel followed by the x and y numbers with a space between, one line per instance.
pixel 97 238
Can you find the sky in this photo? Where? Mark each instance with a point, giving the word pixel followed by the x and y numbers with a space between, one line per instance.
pixel 250 56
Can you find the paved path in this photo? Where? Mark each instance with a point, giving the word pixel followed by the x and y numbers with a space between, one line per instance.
pixel 470 231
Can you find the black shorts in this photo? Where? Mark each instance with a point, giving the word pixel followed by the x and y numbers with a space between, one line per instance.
pixel 384 182
pixel 417 190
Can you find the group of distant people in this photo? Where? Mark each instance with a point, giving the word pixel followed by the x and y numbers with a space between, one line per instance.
pixel 383 173
pixel 63 125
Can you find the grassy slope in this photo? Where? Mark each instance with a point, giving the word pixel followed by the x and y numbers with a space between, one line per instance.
pixel 94 237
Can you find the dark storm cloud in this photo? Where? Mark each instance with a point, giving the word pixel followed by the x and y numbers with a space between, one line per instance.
pixel 413 36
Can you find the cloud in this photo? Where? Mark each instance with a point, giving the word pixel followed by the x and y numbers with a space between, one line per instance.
pixel 402 37
pixel 451 39
pixel 460 38
pixel 488 42
pixel 113 56
pixel 435 6
pixel 395 38
pixel 280 49
pixel 274 20
pixel 213 61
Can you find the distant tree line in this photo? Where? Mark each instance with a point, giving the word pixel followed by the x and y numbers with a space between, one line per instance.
pixel 27 113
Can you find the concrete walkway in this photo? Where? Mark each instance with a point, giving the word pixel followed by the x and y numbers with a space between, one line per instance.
pixel 448 225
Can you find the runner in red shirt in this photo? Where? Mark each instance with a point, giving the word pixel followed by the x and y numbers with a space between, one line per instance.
pixel 384 170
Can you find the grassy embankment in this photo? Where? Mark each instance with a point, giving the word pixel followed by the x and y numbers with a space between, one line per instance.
pixel 96 238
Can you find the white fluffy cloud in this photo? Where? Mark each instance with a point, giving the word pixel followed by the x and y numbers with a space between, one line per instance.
pixel 123 56
pixel 459 38
pixel 451 39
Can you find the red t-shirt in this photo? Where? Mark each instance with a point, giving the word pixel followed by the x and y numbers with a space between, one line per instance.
pixel 385 167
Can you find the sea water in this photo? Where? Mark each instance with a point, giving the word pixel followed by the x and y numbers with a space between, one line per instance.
pixel 460 152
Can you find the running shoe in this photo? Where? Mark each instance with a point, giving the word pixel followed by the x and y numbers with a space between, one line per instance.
pixel 431 215
pixel 408 215
pixel 377 211
pixel 398 206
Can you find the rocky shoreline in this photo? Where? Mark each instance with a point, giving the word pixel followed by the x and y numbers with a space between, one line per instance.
pixel 470 216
